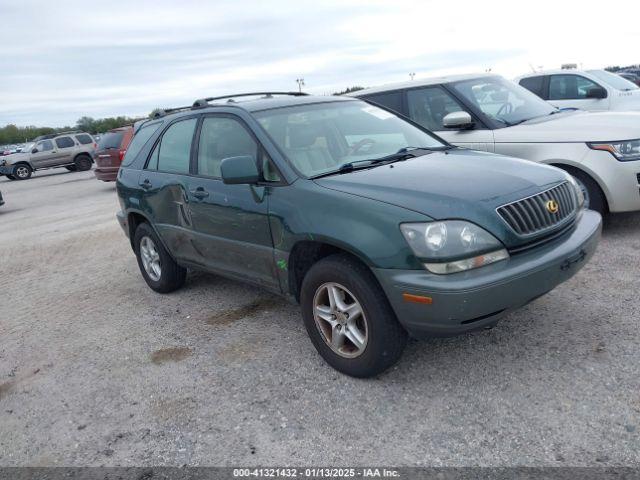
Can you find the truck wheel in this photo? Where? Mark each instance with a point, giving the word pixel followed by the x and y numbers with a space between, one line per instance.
pixel 21 171
pixel 594 199
pixel 158 269
pixel 349 319
pixel 82 163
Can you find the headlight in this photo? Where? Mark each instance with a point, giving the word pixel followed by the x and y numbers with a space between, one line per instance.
pixel 577 188
pixel 625 150
pixel 452 246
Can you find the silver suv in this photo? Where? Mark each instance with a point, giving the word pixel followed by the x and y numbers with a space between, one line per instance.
pixel 72 150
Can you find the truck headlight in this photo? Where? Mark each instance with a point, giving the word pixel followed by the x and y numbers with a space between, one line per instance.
pixel 453 245
pixel 624 150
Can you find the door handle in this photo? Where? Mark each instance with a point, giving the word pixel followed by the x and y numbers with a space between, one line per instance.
pixel 199 193
pixel 146 184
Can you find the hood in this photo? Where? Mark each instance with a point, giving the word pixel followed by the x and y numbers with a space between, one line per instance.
pixel 15 157
pixel 574 126
pixel 459 184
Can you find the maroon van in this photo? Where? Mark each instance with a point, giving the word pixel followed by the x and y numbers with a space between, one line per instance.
pixel 110 152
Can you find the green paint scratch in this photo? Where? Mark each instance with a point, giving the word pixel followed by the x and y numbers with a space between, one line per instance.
pixel 282 264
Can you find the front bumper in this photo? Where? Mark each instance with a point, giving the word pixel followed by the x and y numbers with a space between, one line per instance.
pixel 475 299
pixel 6 170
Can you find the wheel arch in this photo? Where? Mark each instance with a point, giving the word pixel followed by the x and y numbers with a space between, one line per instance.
pixel 83 154
pixel 572 166
pixel 305 253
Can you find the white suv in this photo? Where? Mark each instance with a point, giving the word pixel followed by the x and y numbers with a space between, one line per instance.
pixel 486 112
pixel 592 90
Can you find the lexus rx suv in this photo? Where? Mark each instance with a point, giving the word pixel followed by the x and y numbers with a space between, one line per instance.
pixel 378 228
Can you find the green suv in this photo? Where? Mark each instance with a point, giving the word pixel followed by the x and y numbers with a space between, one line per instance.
pixel 377 227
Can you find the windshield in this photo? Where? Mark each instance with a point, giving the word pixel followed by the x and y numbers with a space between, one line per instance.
pixel 503 100
pixel 613 80
pixel 319 138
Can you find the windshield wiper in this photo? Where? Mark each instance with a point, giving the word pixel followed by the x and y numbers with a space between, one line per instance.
pixel 402 154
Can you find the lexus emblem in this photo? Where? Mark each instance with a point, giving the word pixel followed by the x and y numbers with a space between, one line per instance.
pixel 552 206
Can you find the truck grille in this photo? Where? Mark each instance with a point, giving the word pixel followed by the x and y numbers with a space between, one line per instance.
pixel 541 211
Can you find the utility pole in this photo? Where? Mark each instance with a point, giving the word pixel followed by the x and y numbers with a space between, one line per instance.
pixel 300 82
pixel 412 74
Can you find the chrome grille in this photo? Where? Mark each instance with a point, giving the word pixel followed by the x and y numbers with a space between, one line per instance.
pixel 532 215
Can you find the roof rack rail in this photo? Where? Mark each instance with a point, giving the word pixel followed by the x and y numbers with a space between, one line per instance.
pixel 49 136
pixel 161 112
pixel 203 102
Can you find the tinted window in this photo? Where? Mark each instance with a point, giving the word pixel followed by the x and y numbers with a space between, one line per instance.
pixel 44 145
pixel 110 140
pixel 392 100
pixel 429 106
pixel 65 142
pixel 174 150
pixel 569 87
pixel 139 141
pixel 84 139
pixel 534 84
pixel 221 138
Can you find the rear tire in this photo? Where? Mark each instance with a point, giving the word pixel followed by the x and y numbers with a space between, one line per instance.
pixel 21 171
pixel 83 163
pixel 379 338
pixel 158 269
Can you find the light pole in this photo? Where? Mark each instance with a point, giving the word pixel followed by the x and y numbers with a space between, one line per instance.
pixel 300 82
pixel 412 74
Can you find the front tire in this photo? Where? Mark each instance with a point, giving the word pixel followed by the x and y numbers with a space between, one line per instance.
pixel 349 319
pixel 158 269
pixel 21 172
pixel 594 199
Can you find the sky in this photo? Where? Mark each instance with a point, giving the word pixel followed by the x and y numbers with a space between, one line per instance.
pixel 63 60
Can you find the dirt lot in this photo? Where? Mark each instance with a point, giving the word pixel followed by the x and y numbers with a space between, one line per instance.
pixel 96 369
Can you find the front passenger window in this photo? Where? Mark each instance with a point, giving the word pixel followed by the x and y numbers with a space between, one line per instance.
pixel 45 146
pixel 220 138
pixel 569 87
pixel 429 106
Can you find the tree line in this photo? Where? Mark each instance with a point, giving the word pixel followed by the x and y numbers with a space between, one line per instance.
pixel 10 134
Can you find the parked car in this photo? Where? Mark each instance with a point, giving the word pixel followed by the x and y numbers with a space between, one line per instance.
pixel 110 152
pixel 632 77
pixel 1 199
pixel 486 112
pixel 72 150
pixel 592 90
pixel 378 228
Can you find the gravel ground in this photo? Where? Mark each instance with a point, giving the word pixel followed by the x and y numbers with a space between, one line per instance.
pixel 96 369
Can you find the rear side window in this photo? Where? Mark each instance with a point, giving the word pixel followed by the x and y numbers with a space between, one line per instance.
pixel 84 139
pixel 110 140
pixel 173 153
pixel 65 142
pixel 139 141
pixel 392 100
pixel 534 85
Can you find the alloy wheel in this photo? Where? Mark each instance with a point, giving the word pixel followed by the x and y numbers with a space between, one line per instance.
pixel 22 172
pixel 150 258
pixel 340 319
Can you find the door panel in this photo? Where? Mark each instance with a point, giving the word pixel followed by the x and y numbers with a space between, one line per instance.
pixel 231 222
pixel 46 154
pixel 473 139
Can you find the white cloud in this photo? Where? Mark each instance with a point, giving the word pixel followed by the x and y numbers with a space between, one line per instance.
pixel 62 61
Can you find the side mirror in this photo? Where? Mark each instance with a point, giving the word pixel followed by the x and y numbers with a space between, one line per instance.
pixel 239 170
pixel 35 150
pixel 596 92
pixel 458 120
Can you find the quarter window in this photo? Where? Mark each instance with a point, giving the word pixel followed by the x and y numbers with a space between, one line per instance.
pixel 220 138
pixel 392 100
pixel 65 142
pixel 139 140
pixel 569 87
pixel 429 106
